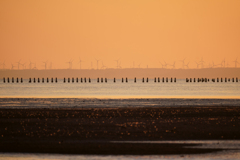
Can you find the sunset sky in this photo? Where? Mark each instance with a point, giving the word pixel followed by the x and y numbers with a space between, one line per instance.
pixel 140 31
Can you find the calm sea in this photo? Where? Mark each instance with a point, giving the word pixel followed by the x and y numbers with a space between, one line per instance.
pixel 180 89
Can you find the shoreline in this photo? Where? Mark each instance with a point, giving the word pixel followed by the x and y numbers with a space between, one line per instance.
pixel 64 131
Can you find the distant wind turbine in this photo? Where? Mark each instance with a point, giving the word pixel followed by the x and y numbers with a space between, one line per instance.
pixel 18 64
pixel 70 64
pixel 3 64
pixel 117 62
pixel 80 62
pixel 12 66
pixel 236 62
pixel 183 63
pixel 201 62
pixel 197 64
pixel 45 64
pixel 97 62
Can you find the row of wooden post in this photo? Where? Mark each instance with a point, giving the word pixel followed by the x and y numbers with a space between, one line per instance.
pixel 65 80
pixel 213 80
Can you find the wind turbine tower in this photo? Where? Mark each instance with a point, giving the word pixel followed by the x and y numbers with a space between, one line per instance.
pixel 236 62
pixel 45 64
pixel 97 62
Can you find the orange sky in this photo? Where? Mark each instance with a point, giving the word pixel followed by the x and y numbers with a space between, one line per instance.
pixel 143 31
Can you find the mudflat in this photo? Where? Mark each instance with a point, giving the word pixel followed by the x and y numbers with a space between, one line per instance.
pixel 110 130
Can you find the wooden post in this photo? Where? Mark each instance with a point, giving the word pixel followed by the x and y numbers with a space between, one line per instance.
pixel 42 80
pixel 135 80
pixel 143 80
pixel 47 80
pixel 167 79
pixel 228 79
pixel 147 80
pixel 38 80
pixel 81 80
pixel 98 80
pixel 72 80
pixel 187 80
pixel 232 79
pixel 89 80
pixel 21 80
pixel 56 80
pixel 155 79
pixel 12 80
pixel 225 79
pixel 221 79
pixel 17 79
pixel 114 80
pixel 4 80
pixel 105 80
pixel 8 79
pixel 29 80
pixel 194 79
pixel 190 79
pixel 64 80
pixel 236 79
pixel 126 80
pixel 122 80
pixel 206 80
pixel 77 79
pixel 68 80
pixel 101 80
pixel 163 79
pixel 171 79
pixel 85 79
pixel 175 80
pixel 52 79
pixel 158 79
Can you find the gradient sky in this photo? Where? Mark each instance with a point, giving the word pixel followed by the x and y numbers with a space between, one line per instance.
pixel 143 31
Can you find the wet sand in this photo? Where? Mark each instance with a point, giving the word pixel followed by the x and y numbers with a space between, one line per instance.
pixel 92 131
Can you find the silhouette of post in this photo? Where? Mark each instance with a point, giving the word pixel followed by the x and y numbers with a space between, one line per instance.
pixel 135 80
pixel 64 80
pixel 167 79
pixel 85 79
pixel 155 79
pixel 228 79
pixel 122 80
pixel 236 79
pixel 81 80
pixel 190 79
pixel 221 79
pixel 101 80
pixel 72 80
pixel 52 79
pixel 47 80
pixel 89 80
pixel 143 80
pixel 68 80
pixel 56 80
pixel 126 80
pixel 232 79
pixel 206 80
pixel 42 80
pixel 105 80
pixel 225 79
pixel 175 80
pixel 12 80
pixel 4 81
pixel 194 79
pixel 147 80
pixel 98 80
pixel 217 79
pixel 29 80
pixel 163 79
pixel 158 79
pixel 8 79
pixel 21 80
pixel 38 80
pixel 34 80
pixel 77 79
pixel 114 80
pixel 17 79
pixel 171 79
pixel 202 79
pixel 187 80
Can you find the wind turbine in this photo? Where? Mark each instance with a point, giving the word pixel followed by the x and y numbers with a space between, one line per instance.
pixel 12 66
pixel 18 63
pixel 103 66
pixel 30 65
pixel 201 62
pixel 24 65
pixel 97 62
pixel 117 62
pixel 4 65
pixel 162 64
pixel 236 62
pixel 197 64
pixel 223 62
pixel 173 65
pixel 45 64
pixel 80 61
pixel 187 64
pixel 183 63
pixel 70 64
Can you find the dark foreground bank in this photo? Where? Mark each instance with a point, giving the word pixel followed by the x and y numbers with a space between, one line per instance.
pixel 92 131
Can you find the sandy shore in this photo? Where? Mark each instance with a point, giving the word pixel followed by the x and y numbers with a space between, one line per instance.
pixel 91 131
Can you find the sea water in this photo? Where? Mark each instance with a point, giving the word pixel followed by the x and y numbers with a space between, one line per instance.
pixel 130 89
